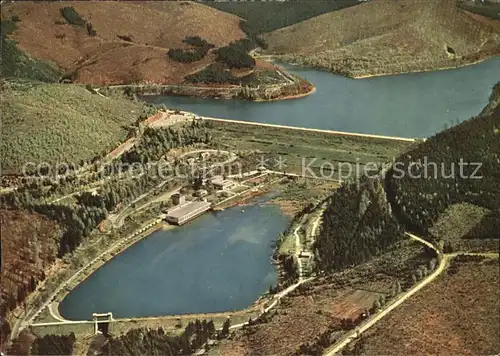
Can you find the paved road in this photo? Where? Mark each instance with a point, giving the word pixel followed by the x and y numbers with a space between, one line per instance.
pixel 317 221
pixel 375 318
pixel 298 247
pixel 444 260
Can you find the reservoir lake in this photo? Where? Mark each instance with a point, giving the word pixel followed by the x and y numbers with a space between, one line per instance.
pixel 221 261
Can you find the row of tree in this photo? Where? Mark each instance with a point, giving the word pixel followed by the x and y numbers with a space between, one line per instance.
pixel 216 73
pixel 157 342
pixel 54 345
pixel 72 16
pixel 154 143
pixel 236 55
pixel 197 53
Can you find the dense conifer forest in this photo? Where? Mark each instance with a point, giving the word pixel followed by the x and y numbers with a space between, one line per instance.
pixel 357 224
pixel 418 202
pixel 53 345
pixel 157 342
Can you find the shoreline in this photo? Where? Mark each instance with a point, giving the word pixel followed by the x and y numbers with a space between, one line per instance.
pixel 121 246
pixel 100 260
pixel 293 62
pixel 215 96
pixel 230 92
pixel 366 76
pixel 289 97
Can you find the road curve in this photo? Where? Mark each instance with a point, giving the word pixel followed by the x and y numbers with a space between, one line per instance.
pixel 444 260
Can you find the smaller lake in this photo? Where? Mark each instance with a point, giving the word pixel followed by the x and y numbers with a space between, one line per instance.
pixel 218 262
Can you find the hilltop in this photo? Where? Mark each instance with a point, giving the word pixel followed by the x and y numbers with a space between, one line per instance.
pixel 262 16
pixel 388 37
pixel 60 123
pixel 118 42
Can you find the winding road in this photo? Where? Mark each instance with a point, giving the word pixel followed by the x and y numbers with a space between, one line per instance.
pixel 444 261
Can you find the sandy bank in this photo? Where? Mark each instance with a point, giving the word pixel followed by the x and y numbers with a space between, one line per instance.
pixel 288 97
pixel 365 76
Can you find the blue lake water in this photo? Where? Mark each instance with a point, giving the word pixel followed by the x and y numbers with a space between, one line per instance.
pixel 221 261
pixel 407 105
pixel 218 262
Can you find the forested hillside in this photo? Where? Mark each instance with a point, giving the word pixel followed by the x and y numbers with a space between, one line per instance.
pixel 419 202
pixel 381 37
pixel 37 230
pixel 357 225
pixel 60 123
pixel 118 42
pixel 155 142
pixel 54 345
pixel 263 16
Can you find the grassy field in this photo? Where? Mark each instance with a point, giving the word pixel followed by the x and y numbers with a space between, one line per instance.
pixel 300 149
pixel 152 27
pixel 456 315
pixel 60 123
pixel 388 37
pixel 264 17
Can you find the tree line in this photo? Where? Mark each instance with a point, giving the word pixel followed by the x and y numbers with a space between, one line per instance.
pixel 90 209
pixel 235 55
pixel 154 143
pixel 157 342
pixel 215 73
pixel 54 345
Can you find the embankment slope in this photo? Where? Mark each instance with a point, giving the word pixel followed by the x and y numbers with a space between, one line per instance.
pixel 388 37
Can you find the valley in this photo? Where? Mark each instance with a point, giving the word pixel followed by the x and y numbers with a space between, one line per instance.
pixel 159 195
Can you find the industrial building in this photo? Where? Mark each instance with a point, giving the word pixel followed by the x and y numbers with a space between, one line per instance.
pixel 186 211
pixel 178 199
pixel 222 184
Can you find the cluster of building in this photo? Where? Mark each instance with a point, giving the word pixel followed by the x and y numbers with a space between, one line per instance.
pixel 184 211
pixel 220 183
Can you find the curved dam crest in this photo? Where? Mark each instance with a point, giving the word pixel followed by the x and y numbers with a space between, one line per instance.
pixel 218 262
pixel 405 105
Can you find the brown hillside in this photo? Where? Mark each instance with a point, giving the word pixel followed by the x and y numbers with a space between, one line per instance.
pixel 29 246
pixel 455 315
pixel 386 37
pixel 153 26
